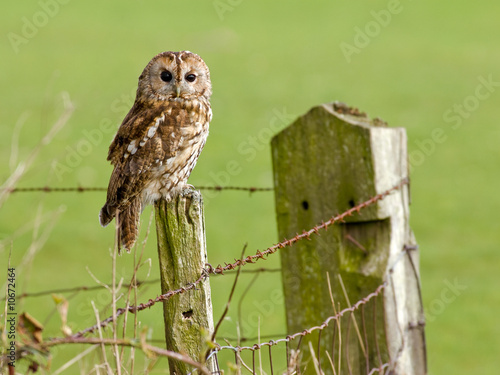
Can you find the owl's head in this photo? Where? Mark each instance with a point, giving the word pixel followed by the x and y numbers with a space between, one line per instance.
pixel 171 75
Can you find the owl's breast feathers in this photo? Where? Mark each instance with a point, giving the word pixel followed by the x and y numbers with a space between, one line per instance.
pixel 155 119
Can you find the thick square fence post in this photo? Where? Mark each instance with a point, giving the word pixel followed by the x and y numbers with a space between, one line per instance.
pixel 325 163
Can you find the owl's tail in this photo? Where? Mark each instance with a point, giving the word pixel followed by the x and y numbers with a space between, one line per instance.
pixel 128 222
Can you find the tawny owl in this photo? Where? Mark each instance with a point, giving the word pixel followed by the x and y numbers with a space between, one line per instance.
pixel 160 139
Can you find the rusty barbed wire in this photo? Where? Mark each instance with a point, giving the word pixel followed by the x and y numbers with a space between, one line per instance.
pixel 48 189
pixel 306 331
pixel 81 189
pixel 84 288
pixel 250 189
pixel 418 324
pixel 219 270
pixel 143 306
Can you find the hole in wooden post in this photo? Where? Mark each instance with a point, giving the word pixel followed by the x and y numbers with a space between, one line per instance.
pixel 351 203
pixel 187 314
pixel 305 205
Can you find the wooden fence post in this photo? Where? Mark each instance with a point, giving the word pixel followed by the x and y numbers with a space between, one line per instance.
pixel 326 162
pixel 182 252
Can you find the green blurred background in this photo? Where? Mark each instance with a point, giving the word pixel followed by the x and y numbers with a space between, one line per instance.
pixel 421 65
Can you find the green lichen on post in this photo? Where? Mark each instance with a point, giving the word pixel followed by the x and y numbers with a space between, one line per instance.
pixel 324 164
pixel 182 254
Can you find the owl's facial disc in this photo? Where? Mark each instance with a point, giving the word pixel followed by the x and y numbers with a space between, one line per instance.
pixel 178 75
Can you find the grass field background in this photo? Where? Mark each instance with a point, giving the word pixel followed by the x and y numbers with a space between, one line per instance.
pixel 421 65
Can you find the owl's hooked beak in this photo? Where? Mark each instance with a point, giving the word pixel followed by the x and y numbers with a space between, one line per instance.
pixel 178 91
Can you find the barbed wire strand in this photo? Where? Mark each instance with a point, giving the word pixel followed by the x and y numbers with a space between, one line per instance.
pixel 84 288
pixel 82 189
pixel 377 347
pixel 77 289
pixel 404 333
pixel 365 335
pixel 219 270
pixel 226 308
pixel 306 331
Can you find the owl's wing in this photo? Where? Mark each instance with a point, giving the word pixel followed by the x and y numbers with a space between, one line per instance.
pixel 135 126
pixel 141 143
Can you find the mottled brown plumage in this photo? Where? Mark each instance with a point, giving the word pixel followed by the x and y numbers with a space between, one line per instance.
pixel 160 139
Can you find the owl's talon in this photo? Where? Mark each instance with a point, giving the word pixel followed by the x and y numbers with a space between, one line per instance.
pixel 187 190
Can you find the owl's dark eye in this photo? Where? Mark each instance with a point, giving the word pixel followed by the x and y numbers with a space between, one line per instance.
pixel 190 77
pixel 166 76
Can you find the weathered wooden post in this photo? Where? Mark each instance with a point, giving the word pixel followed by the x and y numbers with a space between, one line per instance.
pixel 182 252
pixel 326 162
